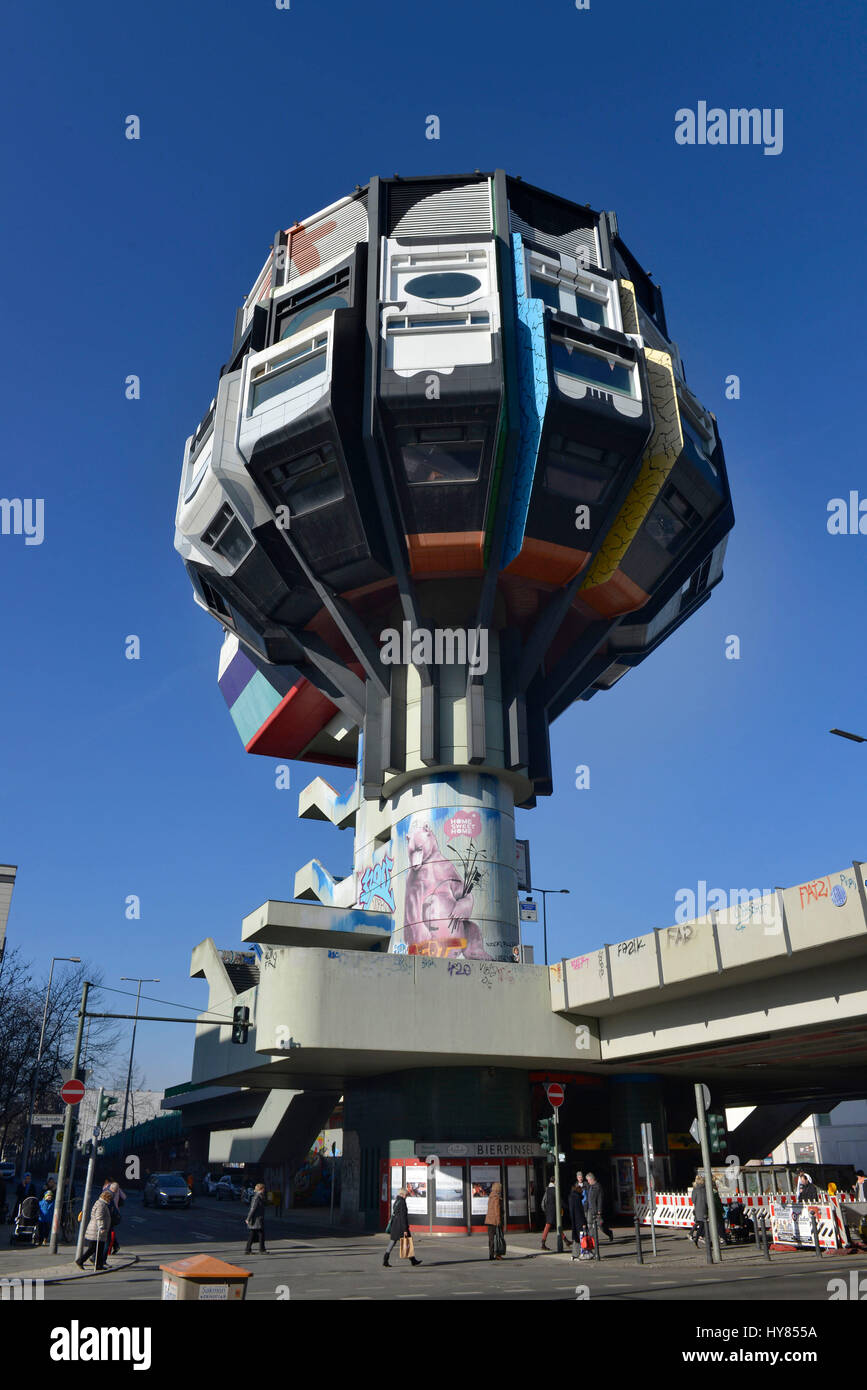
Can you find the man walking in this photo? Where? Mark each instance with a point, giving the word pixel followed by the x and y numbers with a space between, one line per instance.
pixel 255 1220
pixel 596 1208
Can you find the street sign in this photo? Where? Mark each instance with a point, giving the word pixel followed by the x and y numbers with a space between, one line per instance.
pixel 706 1094
pixel 72 1092
pixel 554 1093
pixel 522 862
pixel 48 1121
pixel 647 1145
pixel 529 911
pixel 84 1074
pixel 694 1131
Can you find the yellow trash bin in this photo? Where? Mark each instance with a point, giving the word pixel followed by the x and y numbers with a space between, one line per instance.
pixel 205 1279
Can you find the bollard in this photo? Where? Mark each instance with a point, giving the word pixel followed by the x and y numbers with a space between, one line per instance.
pixel 766 1245
pixel 638 1251
pixel 815 1231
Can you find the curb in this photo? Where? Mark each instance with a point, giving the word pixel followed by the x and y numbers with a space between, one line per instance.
pixel 51 1275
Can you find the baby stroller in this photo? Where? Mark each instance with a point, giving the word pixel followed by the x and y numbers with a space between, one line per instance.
pixel 25 1223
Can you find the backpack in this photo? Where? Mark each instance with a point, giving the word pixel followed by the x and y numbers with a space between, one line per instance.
pixel 587 1242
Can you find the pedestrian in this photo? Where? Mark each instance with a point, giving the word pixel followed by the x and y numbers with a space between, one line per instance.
pixel 859 1191
pixel 398 1227
pixel 26 1187
pixel 46 1212
pixel 117 1197
pixel 494 1223
pixel 699 1209
pixel 97 1232
pixel 596 1218
pixel 577 1218
pixel 255 1220
pixel 549 1211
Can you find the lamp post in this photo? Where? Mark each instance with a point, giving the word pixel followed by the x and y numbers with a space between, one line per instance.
pixel 133 979
pixel 545 892
pixel 26 1150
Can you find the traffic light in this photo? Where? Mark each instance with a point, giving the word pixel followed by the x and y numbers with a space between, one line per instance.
pixel 240 1024
pixel 716 1130
pixel 546 1136
pixel 107 1108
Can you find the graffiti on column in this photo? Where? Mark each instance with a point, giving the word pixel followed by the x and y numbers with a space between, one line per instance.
pixel 375 892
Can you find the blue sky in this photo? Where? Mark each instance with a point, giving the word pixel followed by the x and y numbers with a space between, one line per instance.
pixel 121 777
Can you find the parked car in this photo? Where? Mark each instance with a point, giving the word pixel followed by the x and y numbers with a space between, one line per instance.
pixel 228 1189
pixel 166 1190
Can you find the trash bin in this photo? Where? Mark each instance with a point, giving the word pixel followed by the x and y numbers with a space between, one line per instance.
pixel 205 1279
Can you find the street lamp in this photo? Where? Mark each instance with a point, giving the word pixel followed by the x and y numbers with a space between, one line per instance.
pixel 545 892
pixel 841 733
pixel 26 1151
pixel 133 979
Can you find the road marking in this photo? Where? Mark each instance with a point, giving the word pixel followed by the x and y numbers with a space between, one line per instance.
pixel 411 1295
pixel 469 1293
pixel 201 1235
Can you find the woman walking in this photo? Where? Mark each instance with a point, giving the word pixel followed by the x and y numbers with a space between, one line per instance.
pixel 494 1223
pixel 97 1232
pixel 399 1227
pixel 255 1220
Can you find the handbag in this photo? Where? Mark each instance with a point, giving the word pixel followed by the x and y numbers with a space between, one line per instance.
pixel 587 1241
pixel 407 1249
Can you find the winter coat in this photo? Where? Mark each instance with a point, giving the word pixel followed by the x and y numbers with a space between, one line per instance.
pixel 46 1209
pixel 576 1210
pixel 809 1192
pixel 549 1206
pixel 494 1216
pixel 399 1219
pixel 256 1214
pixel 99 1224
pixel 595 1201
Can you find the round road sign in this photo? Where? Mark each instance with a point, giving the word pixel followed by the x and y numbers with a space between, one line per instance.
pixel 72 1092
pixel 555 1094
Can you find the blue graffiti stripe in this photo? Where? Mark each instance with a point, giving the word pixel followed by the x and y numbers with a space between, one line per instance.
pixel 533 390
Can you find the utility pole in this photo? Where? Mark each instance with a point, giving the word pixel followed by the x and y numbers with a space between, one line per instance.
pixel 132 979
pixel 25 1153
pixel 88 1184
pixel 557 1181
pixel 67 1126
pixel 708 1173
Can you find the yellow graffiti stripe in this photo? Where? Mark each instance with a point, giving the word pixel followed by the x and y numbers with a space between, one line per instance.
pixel 628 306
pixel 660 456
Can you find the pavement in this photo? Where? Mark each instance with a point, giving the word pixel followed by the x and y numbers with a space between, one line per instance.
pixel 312 1260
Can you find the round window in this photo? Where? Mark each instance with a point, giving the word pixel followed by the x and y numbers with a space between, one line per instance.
pixel 451 284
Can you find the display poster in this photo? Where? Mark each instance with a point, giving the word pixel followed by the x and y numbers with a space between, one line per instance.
pixel 450 1193
pixel 482 1178
pixel 416 1190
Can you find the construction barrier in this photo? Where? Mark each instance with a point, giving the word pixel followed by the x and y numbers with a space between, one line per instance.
pixel 675 1209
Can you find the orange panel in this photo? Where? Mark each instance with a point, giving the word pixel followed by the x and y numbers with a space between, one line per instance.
pixel 447 552
pixel 614 596
pixel 542 560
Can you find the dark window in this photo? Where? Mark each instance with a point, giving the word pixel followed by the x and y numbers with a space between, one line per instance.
pixel 591 309
pixel 442 454
pixel 577 472
pixel 311 480
pixel 213 600
pixel 572 360
pixel 543 289
pixel 446 284
pixel 306 318
pixel 295 309
pixel 227 536
pixel 671 519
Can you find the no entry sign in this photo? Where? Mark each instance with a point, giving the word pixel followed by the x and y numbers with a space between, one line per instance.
pixel 555 1094
pixel 72 1092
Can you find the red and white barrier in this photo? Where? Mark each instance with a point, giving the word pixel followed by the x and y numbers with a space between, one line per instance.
pixel 675 1209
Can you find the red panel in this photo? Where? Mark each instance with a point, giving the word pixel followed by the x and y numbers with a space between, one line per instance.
pixel 299 717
